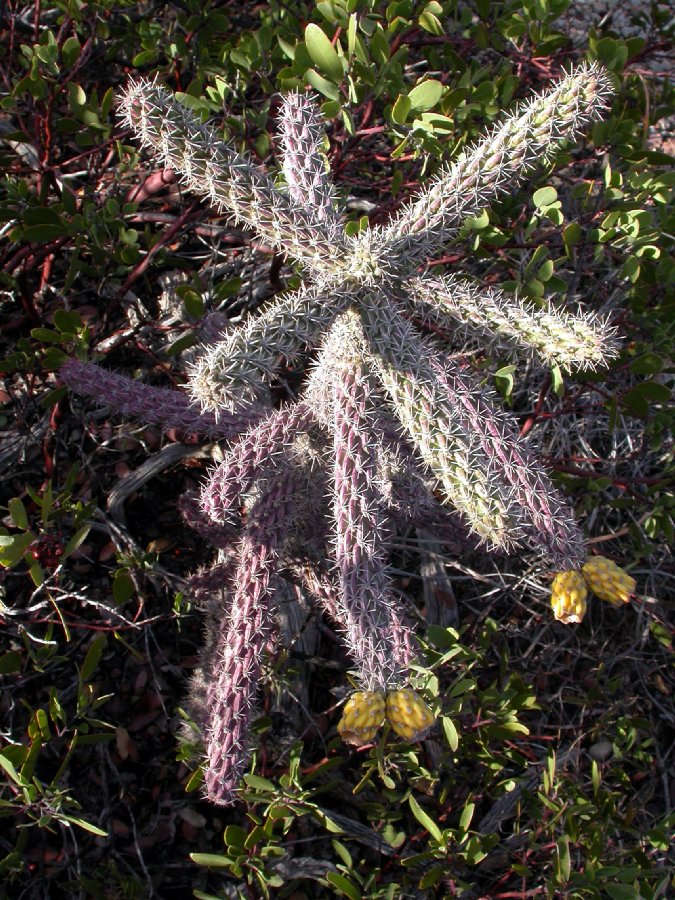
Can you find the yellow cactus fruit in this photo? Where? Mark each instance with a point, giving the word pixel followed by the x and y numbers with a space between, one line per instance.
pixel 362 716
pixel 608 581
pixel 568 597
pixel 408 715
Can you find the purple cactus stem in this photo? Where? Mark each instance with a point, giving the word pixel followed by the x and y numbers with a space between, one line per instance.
pixel 241 640
pixel 151 405
pixel 259 447
pixel 381 644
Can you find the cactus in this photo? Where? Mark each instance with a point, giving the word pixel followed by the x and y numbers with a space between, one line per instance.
pixel 385 420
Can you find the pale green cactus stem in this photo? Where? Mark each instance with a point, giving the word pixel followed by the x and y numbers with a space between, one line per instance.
pixel 227 178
pixel 363 531
pixel 527 139
pixel 579 341
pixel 305 166
pixel 240 368
pixel 403 360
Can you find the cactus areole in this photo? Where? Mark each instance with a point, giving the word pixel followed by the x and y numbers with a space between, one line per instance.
pixel 386 422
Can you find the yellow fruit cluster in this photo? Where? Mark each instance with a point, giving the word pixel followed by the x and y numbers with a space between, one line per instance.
pixel 365 712
pixel 362 716
pixel 409 715
pixel 568 597
pixel 608 581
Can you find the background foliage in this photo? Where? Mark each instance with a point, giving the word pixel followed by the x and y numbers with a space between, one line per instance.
pixel 552 771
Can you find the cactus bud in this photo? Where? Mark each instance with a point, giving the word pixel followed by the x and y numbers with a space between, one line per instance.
pixel 608 581
pixel 568 597
pixel 363 715
pixel 409 715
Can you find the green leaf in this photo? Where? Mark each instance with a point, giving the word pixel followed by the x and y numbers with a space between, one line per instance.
pixel 39 234
pixel 639 398
pixel 429 22
pixel 544 196
pixel 260 784
pixel 572 234
pixel 211 859
pixel 451 733
pixel 321 84
pixel 13 547
pixel 46 335
pixel 323 53
pixel 401 108
pixel 11 771
pixel 76 540
pixel 467 816
pixel 621 891
pixel 18 513
pixel 344 885
pixel 93 657
pixel 426 95
pixel 123 587
pixel 42 215
pixel 144 58
pixel 563 863
pixel 10 662
pixel 235 837
pixel 425 820
pixel 647 364
pixel 86 826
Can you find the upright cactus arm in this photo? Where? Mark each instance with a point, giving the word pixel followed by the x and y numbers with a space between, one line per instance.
pixel 377 640
pixel 526 139
pixel 238 369
pixel 228 179
pixel 302 135
pixel 243 635
pixel 439 426
pixel 152 405
pixel 581 341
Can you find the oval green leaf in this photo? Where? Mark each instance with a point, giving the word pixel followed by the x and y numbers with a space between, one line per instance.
pixel 323 53
pixel 426 95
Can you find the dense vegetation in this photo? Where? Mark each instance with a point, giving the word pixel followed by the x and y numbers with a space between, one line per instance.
pixel 551 770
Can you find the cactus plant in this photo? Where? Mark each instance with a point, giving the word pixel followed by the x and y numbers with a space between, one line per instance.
pixel 385 421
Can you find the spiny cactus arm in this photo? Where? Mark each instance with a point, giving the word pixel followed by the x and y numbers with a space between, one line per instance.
pixel 376 638
pixel 304 164
pixel 528 138
pixel 548 522
pixel 241 641
pixel 152 405
pixel 228 179
pixel 581 341
pixel 223 536
pixel 239 368
pixel 439 429
pixel 270 439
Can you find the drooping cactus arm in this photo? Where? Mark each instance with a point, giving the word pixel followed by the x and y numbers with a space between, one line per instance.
pixel 227 178
pixel 272 438
pixel 438 426
pixel 547 520
pixel 526 139
pixel 581 341
pixel 244 633
pixel 304 164
pixel 239 368
pixel 379 642
pixel 152 405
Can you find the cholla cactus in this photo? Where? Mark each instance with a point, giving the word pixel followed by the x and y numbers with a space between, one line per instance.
pixel 385 418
